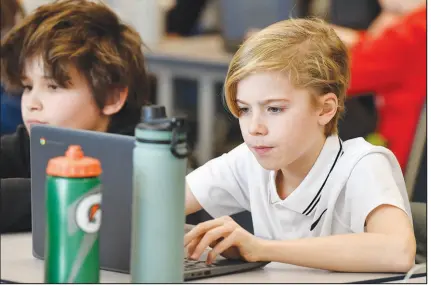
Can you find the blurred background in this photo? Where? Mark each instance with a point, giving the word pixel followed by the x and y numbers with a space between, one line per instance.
pixel 190 44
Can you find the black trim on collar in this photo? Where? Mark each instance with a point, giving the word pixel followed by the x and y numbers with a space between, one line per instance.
pixel 317 221
pixel 316 199
pixel 314 205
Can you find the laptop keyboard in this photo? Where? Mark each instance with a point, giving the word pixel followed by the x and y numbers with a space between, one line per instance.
pixel 199 264
pixel 196 264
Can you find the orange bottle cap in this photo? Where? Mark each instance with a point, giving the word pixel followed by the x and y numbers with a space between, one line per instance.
pixel 74 165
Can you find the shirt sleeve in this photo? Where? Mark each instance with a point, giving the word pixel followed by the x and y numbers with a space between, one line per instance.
pixel 220 186
pixel 370 185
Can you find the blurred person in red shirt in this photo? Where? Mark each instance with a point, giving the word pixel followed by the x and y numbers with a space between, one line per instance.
pixel 389 59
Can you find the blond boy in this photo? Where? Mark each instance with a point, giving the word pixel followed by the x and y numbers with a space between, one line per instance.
pixel 315 201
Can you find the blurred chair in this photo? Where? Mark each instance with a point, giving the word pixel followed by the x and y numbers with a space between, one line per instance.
pixel 419 215
pixel 353 13
pixel 182 18
pixel 416 183
pixel 417 160
pixel 239 16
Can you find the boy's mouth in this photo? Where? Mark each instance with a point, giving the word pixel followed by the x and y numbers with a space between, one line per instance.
pixel 262 150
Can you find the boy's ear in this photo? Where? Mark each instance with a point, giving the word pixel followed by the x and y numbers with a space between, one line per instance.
pixel 115 101
pixel 328 108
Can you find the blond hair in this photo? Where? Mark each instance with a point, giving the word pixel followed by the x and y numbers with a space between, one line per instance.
pixel 306 50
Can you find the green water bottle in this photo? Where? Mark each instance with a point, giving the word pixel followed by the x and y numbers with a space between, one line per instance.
pixel 73 218
pixel 159 170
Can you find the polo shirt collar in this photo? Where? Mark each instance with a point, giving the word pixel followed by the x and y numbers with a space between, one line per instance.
pixel 306 196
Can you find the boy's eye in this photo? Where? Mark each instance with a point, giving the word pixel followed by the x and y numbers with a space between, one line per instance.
pixel 52 86
pixel 243 110
pixel 275 109
pixel 27 87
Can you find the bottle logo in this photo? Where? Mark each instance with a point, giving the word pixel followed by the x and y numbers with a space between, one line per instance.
pixel 89 213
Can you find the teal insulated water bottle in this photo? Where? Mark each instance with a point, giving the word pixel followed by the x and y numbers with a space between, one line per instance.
pixel 159 170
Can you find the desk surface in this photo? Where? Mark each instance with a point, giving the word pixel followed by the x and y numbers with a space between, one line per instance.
pixel 200 49
pixel 17 259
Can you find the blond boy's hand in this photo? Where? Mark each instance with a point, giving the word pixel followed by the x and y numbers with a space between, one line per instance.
pixel 225 237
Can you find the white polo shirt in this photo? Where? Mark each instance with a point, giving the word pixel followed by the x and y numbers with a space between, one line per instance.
pixel 348 180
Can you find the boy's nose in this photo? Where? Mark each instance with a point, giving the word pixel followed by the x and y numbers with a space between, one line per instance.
pixel 257 128
pixel 33 103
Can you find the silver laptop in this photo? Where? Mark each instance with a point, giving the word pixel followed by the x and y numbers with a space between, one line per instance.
pixel 115 154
